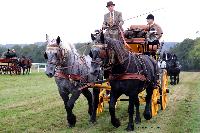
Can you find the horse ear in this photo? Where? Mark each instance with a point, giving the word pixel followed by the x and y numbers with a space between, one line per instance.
pixel 58 40
pixel 90 54
pixel 92 37
pixel 47 38
pixel 45 55
pixel 102 38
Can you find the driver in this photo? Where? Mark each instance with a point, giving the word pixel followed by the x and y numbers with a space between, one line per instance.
pixel 112 22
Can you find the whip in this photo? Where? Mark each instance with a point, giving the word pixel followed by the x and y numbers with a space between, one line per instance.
pixel 143 14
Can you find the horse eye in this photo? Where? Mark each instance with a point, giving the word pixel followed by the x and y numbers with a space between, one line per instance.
pixel 45 55
pixel 56 54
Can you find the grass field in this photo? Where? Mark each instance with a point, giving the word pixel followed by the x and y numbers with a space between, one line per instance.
pixel 31 103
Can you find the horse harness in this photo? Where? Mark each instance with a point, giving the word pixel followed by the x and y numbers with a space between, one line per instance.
pixel 59 64
pixel 104 52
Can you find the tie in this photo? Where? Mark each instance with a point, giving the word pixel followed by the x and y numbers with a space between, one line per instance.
pixel 111 19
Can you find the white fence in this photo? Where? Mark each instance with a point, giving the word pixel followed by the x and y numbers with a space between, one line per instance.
pixel 39 66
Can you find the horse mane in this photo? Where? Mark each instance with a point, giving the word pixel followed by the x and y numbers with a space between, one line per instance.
pixel 119 47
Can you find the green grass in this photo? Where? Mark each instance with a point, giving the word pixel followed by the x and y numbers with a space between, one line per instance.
pixel 31 103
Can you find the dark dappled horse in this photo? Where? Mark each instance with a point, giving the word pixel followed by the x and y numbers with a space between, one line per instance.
pixel 129 74
pixel 25 63
pixel 71 71
pixel 173 70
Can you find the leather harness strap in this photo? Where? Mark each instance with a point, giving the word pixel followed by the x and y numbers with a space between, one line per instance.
pixel 126 76
pixel 69 76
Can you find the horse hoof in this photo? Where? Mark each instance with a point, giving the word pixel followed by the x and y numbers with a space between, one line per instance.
pixel 115 123
pixel 92 120
pixel 71 125
pixel 147 115
pixel 137 120
pixel 130 127
pixel 71 120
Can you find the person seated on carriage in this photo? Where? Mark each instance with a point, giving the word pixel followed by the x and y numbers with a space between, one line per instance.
pixel 154 33
pixel 13 54
pixel 113 22
pixel 8 54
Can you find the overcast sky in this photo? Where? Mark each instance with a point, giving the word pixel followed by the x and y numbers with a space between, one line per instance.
pixel 27 21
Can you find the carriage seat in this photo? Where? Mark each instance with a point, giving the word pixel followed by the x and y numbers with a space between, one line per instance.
pixel 137 34
pixel 139 27
pixel 135 40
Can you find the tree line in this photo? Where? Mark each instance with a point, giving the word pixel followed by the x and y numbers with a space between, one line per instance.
pixel 188 53
pixel 33 51
pixel 36 52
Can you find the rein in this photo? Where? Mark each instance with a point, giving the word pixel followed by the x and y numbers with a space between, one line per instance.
pixel 123 38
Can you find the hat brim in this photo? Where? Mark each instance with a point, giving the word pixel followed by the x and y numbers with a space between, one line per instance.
pixel 110 5
pixel 149 18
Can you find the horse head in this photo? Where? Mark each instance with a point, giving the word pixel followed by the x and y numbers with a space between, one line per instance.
pixel 102 54
pixel 53 55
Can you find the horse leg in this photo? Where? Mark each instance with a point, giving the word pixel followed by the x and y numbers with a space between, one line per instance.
pixel 96 92
pixel 130 126
pixel 29 70
pixel 23 69
pixel 171 79
pixel 147 112
pixel 113 99
pixel 26 70
pixel 69 107
pixel 137 105
pixel 65 96
pixel 88 96
pixel 177 78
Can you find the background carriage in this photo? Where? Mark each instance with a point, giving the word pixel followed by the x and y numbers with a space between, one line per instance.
pixel 140 40
pixel 9 66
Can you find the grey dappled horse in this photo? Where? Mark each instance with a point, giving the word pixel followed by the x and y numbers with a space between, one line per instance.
pixel 123 62
pixel 71 71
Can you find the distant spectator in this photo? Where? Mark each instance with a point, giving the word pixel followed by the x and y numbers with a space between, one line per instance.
pixel 13 53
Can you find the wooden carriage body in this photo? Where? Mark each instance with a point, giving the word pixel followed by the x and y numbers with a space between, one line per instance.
pixel 9 66
pixel 137 39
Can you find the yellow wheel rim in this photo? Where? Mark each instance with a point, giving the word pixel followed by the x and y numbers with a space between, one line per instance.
pixel 164 98
pixel 154 102
pixel 100 106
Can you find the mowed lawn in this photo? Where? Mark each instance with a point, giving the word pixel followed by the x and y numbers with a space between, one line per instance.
pixel 31 103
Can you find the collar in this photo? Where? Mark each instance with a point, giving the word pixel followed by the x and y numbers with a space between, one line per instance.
pixel 150 25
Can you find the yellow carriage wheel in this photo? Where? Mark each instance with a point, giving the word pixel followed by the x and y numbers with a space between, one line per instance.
pixel 164 90
pixel 154 102
pixel 101 101
pixel 100 105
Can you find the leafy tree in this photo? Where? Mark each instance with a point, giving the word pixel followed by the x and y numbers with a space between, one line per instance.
pixel 188 53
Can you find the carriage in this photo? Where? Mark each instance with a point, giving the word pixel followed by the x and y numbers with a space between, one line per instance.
pixel 72 70
pixel 9 66
pixel 140 41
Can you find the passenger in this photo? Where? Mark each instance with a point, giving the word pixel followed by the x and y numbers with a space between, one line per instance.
pixel 13 54
pixel 154 27
pixel 7 54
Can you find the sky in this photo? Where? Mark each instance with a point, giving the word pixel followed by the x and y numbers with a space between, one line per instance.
pixel 27 21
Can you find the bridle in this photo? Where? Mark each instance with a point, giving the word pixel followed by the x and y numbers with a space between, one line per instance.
pixel 59 53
